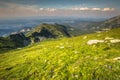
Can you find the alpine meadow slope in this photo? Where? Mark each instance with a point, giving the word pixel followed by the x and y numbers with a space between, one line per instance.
pixel 65 59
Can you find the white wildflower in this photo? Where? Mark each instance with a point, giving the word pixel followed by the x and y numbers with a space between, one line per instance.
pixel 19 48
pixel 118 58
pixel 106 29
pixel 90 42
pixel 76 76
pixel 45 60
pixel 61 47
pixel 75 52
pixel 108 38
pixel 98 31
pixel 115 40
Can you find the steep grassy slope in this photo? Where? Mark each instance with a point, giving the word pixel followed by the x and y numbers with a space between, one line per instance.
pixel 65 59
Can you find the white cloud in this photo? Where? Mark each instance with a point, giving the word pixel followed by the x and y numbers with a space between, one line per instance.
pixel 48 9
pixel 41 9
pixel 85 8
pixel 82 8
pixel 17 10
pixel 51 9
pixel 96 9
pixel 108 9
pixel 92 9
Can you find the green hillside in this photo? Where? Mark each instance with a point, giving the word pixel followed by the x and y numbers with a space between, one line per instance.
pixel 65 59
pixel 5 44
pixel 45 31
pixel 13 41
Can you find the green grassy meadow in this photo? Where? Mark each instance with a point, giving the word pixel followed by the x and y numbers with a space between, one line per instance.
pixel 64 59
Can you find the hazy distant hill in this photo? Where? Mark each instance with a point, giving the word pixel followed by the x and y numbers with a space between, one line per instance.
pixel 80 28
pixel 84 27
pixel 110 23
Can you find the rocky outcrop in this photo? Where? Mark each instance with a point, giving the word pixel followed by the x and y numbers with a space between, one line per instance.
pixel 20 39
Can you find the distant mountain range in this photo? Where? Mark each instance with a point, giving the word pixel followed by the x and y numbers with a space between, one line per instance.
pixel 89 27
pixel 110 23
pixel 45 31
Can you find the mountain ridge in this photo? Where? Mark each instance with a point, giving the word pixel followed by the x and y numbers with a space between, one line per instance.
pixel 48 31
pixel 111 23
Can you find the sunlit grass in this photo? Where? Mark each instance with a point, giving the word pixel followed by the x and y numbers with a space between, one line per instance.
pixel 64 59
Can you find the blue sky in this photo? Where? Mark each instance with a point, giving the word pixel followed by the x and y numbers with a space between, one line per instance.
pixel 61 8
